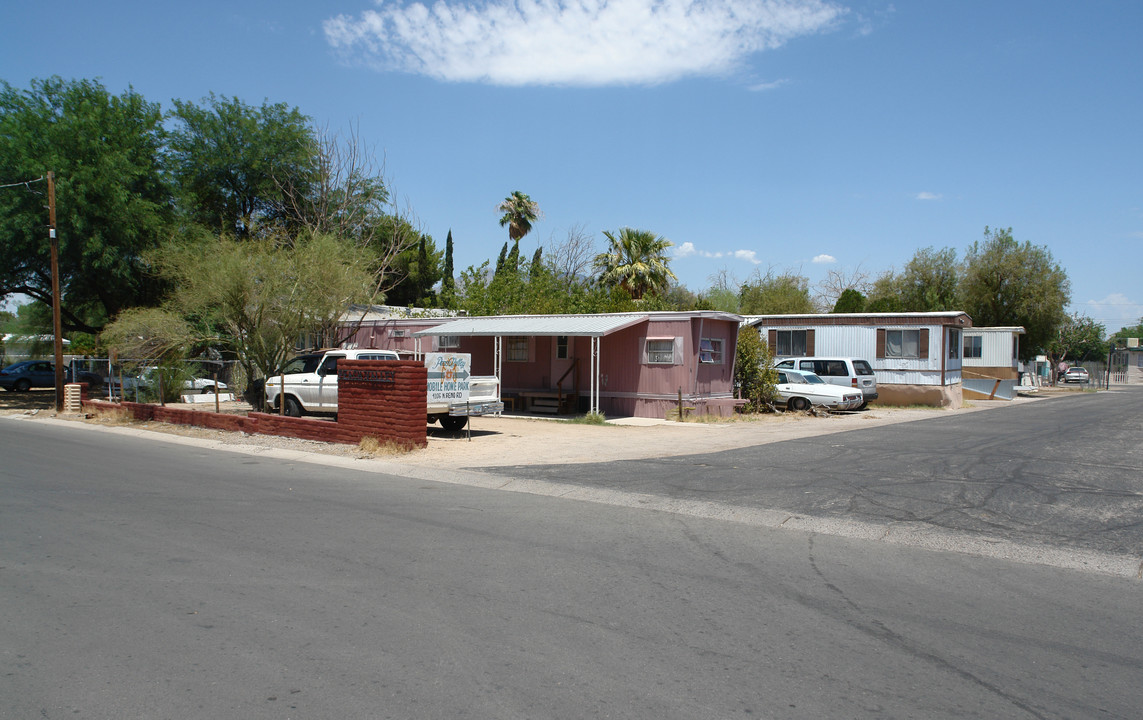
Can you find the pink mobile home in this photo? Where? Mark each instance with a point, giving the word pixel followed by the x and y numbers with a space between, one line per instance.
pixel 622 364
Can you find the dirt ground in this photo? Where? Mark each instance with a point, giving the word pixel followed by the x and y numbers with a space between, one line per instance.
pixel 519 440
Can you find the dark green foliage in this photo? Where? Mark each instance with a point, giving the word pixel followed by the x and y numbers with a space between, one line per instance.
pixel 419 269
pixel 234 163
pixel 502 260
pixel 448 281
pixel 771 294
pixel 112 199
pixel 850 301
pixel 1007 283
pixel 1079 338
pixel 636 261
pixel 536 260
pixel 754 373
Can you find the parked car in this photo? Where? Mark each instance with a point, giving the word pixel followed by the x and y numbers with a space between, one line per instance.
pixel 25 375
pixel 800 389
pixel 1077 374
pixel 843 372
pixel 148 378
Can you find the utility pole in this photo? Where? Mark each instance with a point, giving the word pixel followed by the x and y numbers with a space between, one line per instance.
pixel 56 324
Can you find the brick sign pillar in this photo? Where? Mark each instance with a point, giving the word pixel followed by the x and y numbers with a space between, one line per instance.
pixel 385 399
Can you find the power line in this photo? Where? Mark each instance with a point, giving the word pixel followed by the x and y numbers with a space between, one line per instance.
pixel 26 183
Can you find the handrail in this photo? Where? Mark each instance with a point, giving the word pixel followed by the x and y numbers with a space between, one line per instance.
pixel 560 383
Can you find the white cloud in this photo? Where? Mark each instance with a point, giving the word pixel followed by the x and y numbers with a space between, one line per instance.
pixel 573 42
pixel 824 259
pixel 928 196
pixel 688 249
pixel 1114 311
pixel 763 86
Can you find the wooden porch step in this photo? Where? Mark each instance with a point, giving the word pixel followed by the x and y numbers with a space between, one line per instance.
pixel 544 405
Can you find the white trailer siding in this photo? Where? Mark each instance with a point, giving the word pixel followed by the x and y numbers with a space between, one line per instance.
pixel 998 347
pixel 860 341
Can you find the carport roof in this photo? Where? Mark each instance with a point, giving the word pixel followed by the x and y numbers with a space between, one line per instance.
pixel 537 325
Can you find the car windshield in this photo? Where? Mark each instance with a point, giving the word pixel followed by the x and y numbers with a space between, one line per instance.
pixel 302 364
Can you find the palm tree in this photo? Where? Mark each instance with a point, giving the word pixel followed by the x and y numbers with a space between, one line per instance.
pixel 520 211
pixel 635 261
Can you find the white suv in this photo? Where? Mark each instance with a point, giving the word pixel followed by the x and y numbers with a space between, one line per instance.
pixel 845 372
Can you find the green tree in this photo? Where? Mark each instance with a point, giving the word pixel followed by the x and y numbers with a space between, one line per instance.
pixel 771 294
pixel 636 261
pixel 419 269
pixel 519 212
pixel 929 282
pixel 1119 338
pixel 238 167
pixel 502 260
pixel 1079 338
pixel 253 298
pixel 1007 283
pixel 754 373
pixel 113 202
pixel 850 301
pixel 448 279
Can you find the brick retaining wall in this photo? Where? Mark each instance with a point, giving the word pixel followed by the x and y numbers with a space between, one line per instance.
pixel 385 399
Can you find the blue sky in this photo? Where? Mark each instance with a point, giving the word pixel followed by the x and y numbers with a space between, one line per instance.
pixel 793 135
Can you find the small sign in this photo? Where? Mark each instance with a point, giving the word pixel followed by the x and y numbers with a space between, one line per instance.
pixel 448 377
pixel 369 375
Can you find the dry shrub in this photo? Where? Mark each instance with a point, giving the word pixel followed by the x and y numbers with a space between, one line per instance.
pixel 112 416
pixel 374 447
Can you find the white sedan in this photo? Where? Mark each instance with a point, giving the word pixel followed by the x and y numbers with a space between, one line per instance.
pixel 800 389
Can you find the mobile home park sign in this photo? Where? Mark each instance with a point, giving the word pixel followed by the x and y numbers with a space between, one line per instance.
pixel 448 377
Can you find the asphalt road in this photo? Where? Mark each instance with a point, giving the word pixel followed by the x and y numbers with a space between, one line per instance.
pixel 141 579
pixel 1064 472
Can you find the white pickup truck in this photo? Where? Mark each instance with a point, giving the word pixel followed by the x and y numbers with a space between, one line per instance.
pixel 309 385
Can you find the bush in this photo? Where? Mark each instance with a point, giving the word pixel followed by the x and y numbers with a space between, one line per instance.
pixel 754 373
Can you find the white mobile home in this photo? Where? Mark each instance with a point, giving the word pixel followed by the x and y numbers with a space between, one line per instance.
pixel 916 356
pixel 991 361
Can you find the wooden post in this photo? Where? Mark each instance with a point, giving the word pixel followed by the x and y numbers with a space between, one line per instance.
pixel 56 322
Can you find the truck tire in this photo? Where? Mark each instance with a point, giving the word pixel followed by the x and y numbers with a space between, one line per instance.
pixel 451 423
pixel 293 409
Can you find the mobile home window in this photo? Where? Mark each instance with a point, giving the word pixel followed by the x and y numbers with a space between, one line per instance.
pixel 660 351
pixel 562 347
pixel 448 341
pixel 710 351
pixel 791 343
pixel 902 343
pixel 973 346
pixel 954 343
pixel 517 349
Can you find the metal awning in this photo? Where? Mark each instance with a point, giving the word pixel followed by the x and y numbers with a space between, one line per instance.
pixel 500 327
pixel 536 325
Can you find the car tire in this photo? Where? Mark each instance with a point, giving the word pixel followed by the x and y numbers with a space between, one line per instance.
pixel 452 424
pixel 293 409
pixel 798 404
pixel 22 385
